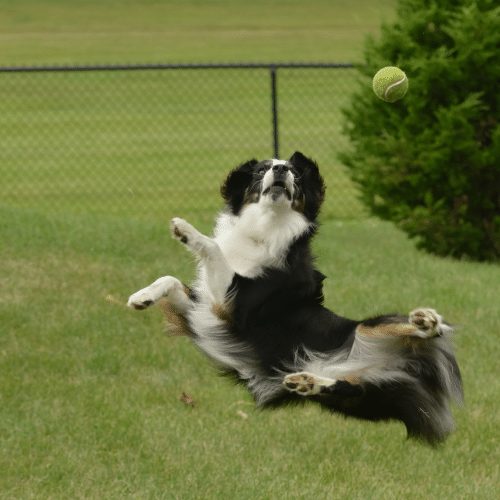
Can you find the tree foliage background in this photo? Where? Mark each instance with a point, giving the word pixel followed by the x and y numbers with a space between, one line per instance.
pixel 431 162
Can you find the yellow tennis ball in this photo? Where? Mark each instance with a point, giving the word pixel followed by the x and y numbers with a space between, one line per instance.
pixel 390 84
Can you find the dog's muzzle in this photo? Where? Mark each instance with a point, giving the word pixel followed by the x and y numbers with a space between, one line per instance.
pixel 280 184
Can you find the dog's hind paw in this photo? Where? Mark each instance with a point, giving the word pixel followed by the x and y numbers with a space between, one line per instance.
pixel 429 323
pixel 306 384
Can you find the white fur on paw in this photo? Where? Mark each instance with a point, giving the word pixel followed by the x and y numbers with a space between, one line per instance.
pixel 141 299
pixel 182 230
pixel 149 295
pixel 429 322
pixel 306 384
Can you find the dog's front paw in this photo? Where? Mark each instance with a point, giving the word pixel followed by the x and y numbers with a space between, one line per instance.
pixel 141 299
pixel 162 287
pixel 182 230
pixel 429 323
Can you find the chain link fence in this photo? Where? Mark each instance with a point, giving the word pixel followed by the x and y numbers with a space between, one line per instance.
pixel 152 141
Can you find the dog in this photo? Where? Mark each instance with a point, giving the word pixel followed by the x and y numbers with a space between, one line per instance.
pixel 256 309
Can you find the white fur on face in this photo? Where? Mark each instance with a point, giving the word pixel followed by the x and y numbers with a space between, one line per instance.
pixel 269 179
pixel 278 162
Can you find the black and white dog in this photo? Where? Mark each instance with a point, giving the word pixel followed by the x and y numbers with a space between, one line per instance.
pixel 257 310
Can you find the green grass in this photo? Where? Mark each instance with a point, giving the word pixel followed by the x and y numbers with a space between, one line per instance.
pixel 57 31
pixel 90 390
pixel 93 165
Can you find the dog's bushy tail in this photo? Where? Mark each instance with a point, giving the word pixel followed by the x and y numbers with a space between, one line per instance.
pixel 424 402
pixel 419 393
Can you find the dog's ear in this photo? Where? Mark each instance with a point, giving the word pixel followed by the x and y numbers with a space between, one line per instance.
pixel 236 183
pixel 302 163
pixel 311 183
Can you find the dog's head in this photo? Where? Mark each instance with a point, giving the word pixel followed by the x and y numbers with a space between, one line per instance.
pixel 295 183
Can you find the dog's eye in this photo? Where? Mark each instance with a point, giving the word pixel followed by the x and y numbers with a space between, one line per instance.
pixel 261 170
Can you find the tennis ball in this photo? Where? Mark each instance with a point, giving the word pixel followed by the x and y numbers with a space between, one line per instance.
pixel 390 84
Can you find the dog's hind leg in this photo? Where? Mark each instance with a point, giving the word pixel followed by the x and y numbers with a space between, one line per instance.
pixel 218 274
pixel 421 323
pixel 166 287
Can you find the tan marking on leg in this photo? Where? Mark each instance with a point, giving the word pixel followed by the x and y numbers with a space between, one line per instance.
pixel 352 379
pixel 388 330
pixel 177 324
pixel 223 312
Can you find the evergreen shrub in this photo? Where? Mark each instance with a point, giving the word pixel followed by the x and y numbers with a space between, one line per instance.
pixel 431 162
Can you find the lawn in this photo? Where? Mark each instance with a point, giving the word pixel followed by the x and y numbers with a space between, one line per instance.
pixel 92 168
pixel 90 31
pixel 91 391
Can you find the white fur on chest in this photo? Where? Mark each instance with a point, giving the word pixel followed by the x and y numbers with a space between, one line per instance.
pixel 258 238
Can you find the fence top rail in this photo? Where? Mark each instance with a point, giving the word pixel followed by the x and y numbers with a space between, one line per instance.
pixel 159 66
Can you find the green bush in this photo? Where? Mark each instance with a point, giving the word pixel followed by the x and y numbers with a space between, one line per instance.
pixel 431 162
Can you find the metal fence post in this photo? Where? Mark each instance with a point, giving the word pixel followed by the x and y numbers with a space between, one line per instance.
pixel 274 110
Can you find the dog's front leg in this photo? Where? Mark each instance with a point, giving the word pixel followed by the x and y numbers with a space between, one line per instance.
pixel 165 287
pixel 218 274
